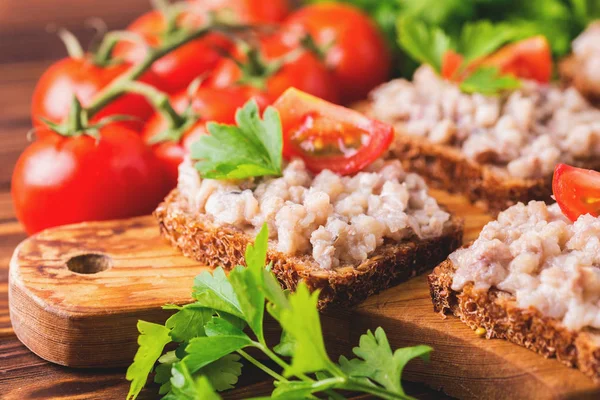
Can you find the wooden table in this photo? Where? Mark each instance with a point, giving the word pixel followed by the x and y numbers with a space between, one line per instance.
pixel 26 49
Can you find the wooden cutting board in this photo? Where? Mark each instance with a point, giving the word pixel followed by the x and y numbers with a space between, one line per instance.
pixel 76 293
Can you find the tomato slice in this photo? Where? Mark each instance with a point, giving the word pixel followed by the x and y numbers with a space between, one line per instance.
pixel 577 191
pixel 528 59
pixel 328 136
pixel 451 62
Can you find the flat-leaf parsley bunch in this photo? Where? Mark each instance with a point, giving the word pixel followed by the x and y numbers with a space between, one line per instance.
pixel 227 318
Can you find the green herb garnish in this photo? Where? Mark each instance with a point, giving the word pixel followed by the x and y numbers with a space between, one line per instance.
pixel 227 317
pixel 477 40
pixel 488 80
pixel 252 148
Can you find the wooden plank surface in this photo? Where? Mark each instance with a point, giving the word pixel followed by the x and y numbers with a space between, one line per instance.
pixel 26 49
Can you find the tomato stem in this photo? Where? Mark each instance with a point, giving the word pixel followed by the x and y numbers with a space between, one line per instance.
pixel 73 46
pixel 102 56
pixel 75 122
pixel 119 86
pixel 159 100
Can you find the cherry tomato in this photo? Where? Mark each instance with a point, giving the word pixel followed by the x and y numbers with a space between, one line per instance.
pixel 180 67
pixel 356 50
pixel 328 136
pixel 577 191
pixel 209 104
pixel 60 180
pixel 304 72
pixel 528 59
pixel 70 77
pixel 245 11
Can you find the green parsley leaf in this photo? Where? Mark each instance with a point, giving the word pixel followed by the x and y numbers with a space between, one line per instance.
pixel 185 387
pixel 246 283
pixel 152 340
pixel 252 148
pixel 482 38
pixel 423 43
pixel 223 374
pixel 302 390
pixel 487 80
pixel 301 322
pixel 222 339
pixel 377 362
pixel 215 291
pixel 162 372
pixel 189 322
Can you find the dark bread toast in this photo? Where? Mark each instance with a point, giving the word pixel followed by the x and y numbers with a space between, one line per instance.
pixel 497 312
pixel 199 238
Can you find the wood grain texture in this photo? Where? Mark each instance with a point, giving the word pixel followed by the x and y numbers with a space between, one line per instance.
pixel 147 273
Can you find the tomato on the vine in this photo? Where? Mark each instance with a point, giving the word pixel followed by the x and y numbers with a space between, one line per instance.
pixel 70 77
pixel 66 179
pixel 245 11
pixel 178 68
pixel 209 104
pixel 355 50
pixel 576 190
pixel 328 136
pixel 528 59
pixel 271 68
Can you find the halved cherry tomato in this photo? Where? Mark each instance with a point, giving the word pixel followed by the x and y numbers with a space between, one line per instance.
pixel 66 179
pixel 209 104
pixel 528 59
pixel 70 77
pixel 304 72
pixel 576 190
pixel 355 50
pixel 328 136
pixel 245 11
pixel 180 67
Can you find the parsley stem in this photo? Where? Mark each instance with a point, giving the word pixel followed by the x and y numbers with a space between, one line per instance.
pixel 262 366
pixel 356 385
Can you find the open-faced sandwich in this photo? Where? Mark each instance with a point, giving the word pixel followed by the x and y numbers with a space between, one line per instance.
pixel 532 276
pixel 494 138
pixel 341 219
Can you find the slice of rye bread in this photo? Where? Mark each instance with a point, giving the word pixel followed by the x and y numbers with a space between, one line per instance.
pixel 199 238
pixel 446 167
pixel 496 311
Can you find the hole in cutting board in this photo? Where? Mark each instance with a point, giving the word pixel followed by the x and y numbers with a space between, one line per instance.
pixel 89 263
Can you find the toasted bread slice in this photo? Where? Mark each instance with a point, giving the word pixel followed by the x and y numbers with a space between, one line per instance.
pixel 446 167
pixel 198 237
pixel 497 312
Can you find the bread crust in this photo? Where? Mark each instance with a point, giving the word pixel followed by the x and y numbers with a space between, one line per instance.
pixel 447 168
pixel 498 314
pixel 197 237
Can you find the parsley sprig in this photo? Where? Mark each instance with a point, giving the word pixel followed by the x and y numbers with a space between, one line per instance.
pixel 251 148
pixel 213 333
pixel 428 44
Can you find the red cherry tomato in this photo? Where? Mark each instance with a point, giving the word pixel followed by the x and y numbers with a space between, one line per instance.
pixel 577 191
pixel 210 104
pixel 528 59
pixel 60 180
pixel 245 11
pixel 357 52
pixel 180 67
pixel 304 72
pixel 70 77
pixel 328 136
